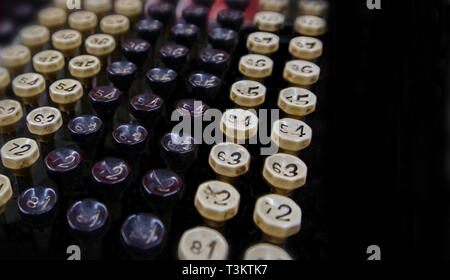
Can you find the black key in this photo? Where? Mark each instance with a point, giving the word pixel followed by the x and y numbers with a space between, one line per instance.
pixel 130 138
pixel 136 51
pixel 214 61
pixel 149 29
pixel 173 55
pixel 192 108
pixel 85 130
pixel 37 205
pixel 105 100
pixel 178 151
pixel 206 3
pixel 147 108
pixel 223 38
pixel 122 74
pixel 63 165
pixel 162 81
pixel 161 188
pixel 204 86
pixel 196 14
pixel 184 33
pixel 230 18
pixel 162 11
pixel 238 4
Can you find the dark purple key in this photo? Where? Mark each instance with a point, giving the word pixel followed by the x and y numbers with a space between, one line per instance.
pixel 204 86
pixel 104 99
pixel 87 216
pixel 184 33
pixel 85 130
pixel 162 187
pixel 110 172
pixel 63 164
pixel 206 3
pixel 222 38
pixel 230 18
pixel 196 14
pixel 173 55
pixel 143 234
pixel 178 151
pixel 136 51
pixel 191 107
pixel 146 107
pixel 37 204
pixel 238 4
pixel 122 74
pixel 149 29
pixel 130 138
pixel 161 11
pixel 162 81
pixel 214 61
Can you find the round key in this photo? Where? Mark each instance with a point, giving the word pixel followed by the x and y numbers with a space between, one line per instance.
pixel 239 124
pixel 266 251
pixel 202 243
pixel 5 191
pixel 230 18
pixel 143 234
pixel 178 151
pixel 274 5
pixel 161 187
pixel 255 66
pixel 291 135
pixel 61 4
pixel 222 38
pixel 87 216
pixel 67 41
pixel 278 217
pixel 63 163
pixel 173 55
pixel 269 21
pixel 195 109
pixel 44 122
pixel 238 4
pixel 162 81
pixel 184 33
pixel 84 22
pixel 301 73
pixel 37 204
pixel 284 173
pixel 297 102
pixel 206 3
pixel 111 172
pixel 48 63
pixel 248 93
pixel 4 80
pixel 100 45
pixel 130 138
pixel 99 7
pixel 104 99
pixel 53 18
pixel 136 51
pixel 307 48
pixel 146 107
pixel 115 25
pixel 313 7
pixel 85 130
pixel 129 8
pixel 204 86
pixel 84 68
pixel 229 161
pixel 161 11
pixel 10 115
pixel 66 93
pixel 29 87
pixel 263 43
pixel 214 61
pixel 19 155
pixel 14 58
pixel 34 37
pixel 122 74
pixel 217 202
pixel 149 29
pixel 196 14
pixel 310 25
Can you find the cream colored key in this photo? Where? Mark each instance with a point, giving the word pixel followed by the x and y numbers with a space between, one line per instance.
pixel 115 25
pixel 84 22
pixel 44 122
pixel 277 216
pixel 301 73
pixel 19 155
pixel 129 8
pixel 291 135
pixel 248 93
pixel 297 102
pixel 285 173
pixel 307 48
pixel 255 66
pixel 202 243
pixel 67 41
pixel 66 93
pixel 269 21
pixel 239 125
pixel 217 202
pixel 29 87
pixel 10 115
pixel 274 5
pixel 84 68
pixel 313 7
pixel 310 25
pixel 229 161
pixel 48 63
pixel 53 18
pixel 5 192
pixel 5 79
pixel 267 252
pixel 99 7
pixel 14 58
pixel 263 43
pixel 34 37
pixel 100 45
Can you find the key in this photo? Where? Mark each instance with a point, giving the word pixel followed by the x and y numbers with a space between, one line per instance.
pixel 37 205
pixel 5 192
pixel 301 73
pixel 116 26
pixel 178 151
pixel 232 19
pixel 279 6
pixel 196 14
pixel 161 11
pixel 84 22
pixel 10 115
pixel 99 7
pixel 53 18
pixel 129 8
pixel 63 165
pixel 223 38
pixel 147 108
pixel 248 94
pixel 28 87
pixel 86 130
pixel 44 122
pixel 313 7
pixel 173 56
pixel 101 46
pixel 19 155
pixel 266 251
pixel 122 74
pixel 67 41
pixel 4 80
pixel 66 93
pixel 35 37
pixel 239 125
pixel 162 81
pixel 104 100
pixel 185 33
pixel 204 86
pixel 256 67
pixel 310 25
pixel 15 58
pixel 229 161
pixel 84 68
pixel 305 48
pixel 136 51
pixel 238 4
pixel 263 43
pixel 149 29
pixel 202 243
pixel 269 21
pixel 291 135
pixel 48 63
pixel 130 139
pixel 214 61
pixel 297 102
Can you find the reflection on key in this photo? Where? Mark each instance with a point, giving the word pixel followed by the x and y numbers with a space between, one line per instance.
pixel 19 155
pixel 266 251
pixel 229 161
pixel 44 122
pixel 202 243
